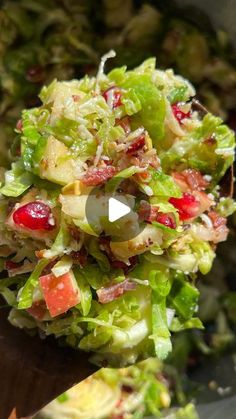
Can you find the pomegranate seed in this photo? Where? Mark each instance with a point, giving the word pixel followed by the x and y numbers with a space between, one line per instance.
pixel 96 176
pixel 167 220
pixel 180 115
pixel 34 215
pixel 113 97
pixel 188 206
pixel 138 144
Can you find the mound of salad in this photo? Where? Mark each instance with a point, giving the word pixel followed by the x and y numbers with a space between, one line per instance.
pixel 143 132
pixel 139 391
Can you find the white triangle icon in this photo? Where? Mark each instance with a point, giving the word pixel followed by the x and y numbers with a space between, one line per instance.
pixel 116 210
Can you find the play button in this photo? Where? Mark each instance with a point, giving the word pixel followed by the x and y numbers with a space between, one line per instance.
pixel 112 212
pixel 116 209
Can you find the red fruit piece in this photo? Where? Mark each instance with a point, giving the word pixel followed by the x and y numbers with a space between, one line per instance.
pixel 124 123
pixel 188 206
pixel 35 216
pixel 217 220
pixel 150 213
pixel 96 176
pixel 179 115
pixel 108 294
pixel 167 220
pixel 204 201
pixel 190 179
pixel 113 97
pixel 38 310
pixel 60 293
pixel 136 145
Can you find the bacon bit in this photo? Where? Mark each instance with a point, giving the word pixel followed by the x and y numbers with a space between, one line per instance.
pixel 19 125
pixel 38 310
pixel 149 158
pixel 188 206
pixel 113 97
pixel 108 294
pixel 144 175
pixel 210 141
pixel 136 145
pixel 10 206
pixel 180 115
pixel 80 257
pixel 128 187
pixel 76 98
pixel 150 213
pixel 124 123
pixel 118 264
pixel 75 233
pixel 97 176
pixel 147 212
pixel 205 201
pixel 47 270
pixel 104 243
pixel 217 220
pixel 220 229
pixel 190 179
pixel 127 389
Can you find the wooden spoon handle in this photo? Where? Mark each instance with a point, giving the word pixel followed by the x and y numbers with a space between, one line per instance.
pixel 33 371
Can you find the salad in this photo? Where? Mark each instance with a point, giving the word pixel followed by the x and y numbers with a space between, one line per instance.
pixel 135 392
pixel 112 288
pixel 69 42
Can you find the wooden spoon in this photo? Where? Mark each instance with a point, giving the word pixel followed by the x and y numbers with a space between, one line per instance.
pixel 33 371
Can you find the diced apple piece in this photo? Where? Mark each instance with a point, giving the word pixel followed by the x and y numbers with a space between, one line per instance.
pixel 60 293
pixel 55 166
